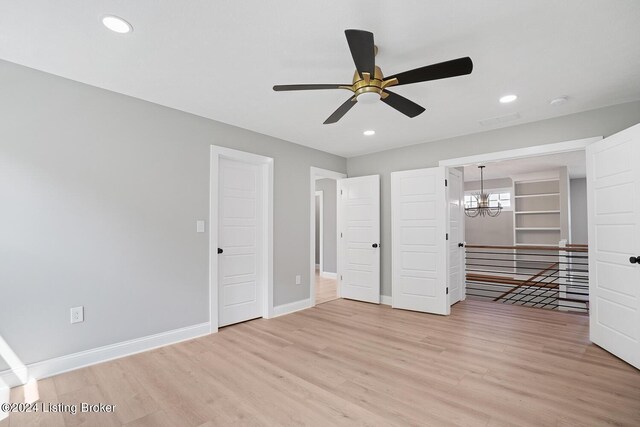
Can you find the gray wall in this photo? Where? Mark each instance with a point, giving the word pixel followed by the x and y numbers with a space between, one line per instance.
pixel 330 257
pixel 485 230
pixel 99 195
pixel 488 184
pixel 601 122
pixel 579 228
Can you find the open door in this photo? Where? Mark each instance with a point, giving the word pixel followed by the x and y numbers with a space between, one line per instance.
pixel 455 203
pixel 613 195
pixel 419 240
pixel 359 238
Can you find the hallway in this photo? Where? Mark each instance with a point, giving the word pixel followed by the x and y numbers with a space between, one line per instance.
pixel 326 288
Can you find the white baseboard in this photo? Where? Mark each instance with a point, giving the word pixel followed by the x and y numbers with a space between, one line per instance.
pixel 281 310
pixel 384 299
pixel 329 275
pixel 59 365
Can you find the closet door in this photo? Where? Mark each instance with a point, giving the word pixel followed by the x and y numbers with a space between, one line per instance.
pixel 359 246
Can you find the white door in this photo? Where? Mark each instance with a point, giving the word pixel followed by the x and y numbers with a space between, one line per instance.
pixel 359 234
pixel 240 239
pixel 419 244
pixel 613 195
pixel 455 197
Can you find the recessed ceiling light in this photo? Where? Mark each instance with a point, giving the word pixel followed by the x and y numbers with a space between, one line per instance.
pixel 369 132
pixel 508 98
pixel 117 25
pixel 559 101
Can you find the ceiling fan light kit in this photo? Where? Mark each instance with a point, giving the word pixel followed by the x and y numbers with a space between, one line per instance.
pixel 369 84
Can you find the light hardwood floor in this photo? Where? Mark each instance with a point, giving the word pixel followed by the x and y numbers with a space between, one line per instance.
pixel 351 363
pixel 326 288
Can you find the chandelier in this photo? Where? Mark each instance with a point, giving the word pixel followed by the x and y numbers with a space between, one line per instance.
pixel 482 206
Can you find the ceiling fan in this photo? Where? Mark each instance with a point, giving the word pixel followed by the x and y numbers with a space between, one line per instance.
pixel 369 85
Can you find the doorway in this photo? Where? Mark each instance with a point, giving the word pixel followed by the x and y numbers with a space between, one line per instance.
pixel 324 235
pixel 530 253
pixel 241 236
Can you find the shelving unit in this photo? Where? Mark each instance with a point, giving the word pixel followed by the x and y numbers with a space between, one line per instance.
pixel 536 195
pixel 537 212
pixel 537 228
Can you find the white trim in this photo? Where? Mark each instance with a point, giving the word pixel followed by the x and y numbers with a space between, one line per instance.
pixel 59 365
pixel 320 194
pixel 385 299
pixel 520 153
pixel 267 163
pixel 281 310
pixel 314 174
pixel 329 275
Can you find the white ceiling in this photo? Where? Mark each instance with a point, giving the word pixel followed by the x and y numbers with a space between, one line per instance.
pixel 575 161
pixel 219 59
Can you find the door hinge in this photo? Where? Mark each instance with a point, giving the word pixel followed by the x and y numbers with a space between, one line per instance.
pixel 447 236
pixel 341 235
pixel 341 277
pixel 341 192
pixel 447 290
pixel 445 182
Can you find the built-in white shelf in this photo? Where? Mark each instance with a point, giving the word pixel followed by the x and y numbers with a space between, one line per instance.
pixel 536 212
pixel 537 228
pixel 520 196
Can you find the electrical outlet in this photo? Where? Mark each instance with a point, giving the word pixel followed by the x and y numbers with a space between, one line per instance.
pixel 77 314
pixel 298 279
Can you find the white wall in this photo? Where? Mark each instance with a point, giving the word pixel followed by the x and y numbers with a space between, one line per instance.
pixel 601 122
pixel 329 230
pixel 579 228
pixel 99 197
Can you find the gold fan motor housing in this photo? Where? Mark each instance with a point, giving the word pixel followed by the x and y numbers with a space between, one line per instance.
pixel 367 83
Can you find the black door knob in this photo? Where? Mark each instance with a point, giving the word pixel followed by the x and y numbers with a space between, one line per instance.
pixel 375 245
pixel 220 251
pixel 461 245
pixel 634 260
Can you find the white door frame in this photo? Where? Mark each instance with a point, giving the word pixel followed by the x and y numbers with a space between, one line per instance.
pixel 314 174
pixel 320 219
pixel 521 153
pixel 518 153
pixel 267 249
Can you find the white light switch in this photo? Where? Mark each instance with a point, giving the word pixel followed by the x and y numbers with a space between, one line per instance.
pixel 200 226
pixel 298 279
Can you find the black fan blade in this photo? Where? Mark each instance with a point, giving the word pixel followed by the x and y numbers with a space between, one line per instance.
pixel 402 104
pixel 341 111
pixel 443 70
pixel 362 50
pixel 279 88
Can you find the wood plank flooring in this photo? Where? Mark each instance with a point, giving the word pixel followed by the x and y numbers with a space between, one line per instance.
pixel 351 363
pixel 326 288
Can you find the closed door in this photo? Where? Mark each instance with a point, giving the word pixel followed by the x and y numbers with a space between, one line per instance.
pixel 419 242
pixel 359 234
pixel 240 236
pixel 455 196
pixel 613 196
